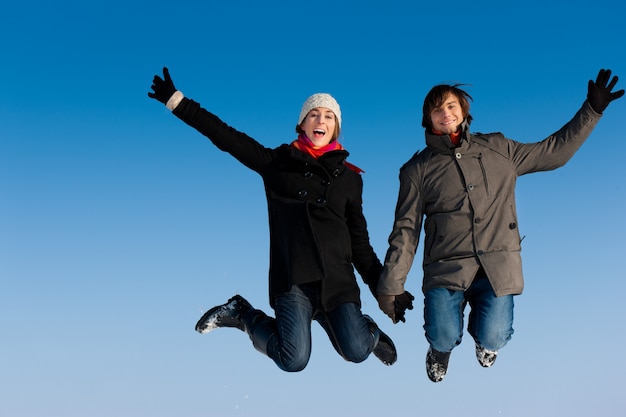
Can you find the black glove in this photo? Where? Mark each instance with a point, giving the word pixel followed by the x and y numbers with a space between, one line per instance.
pixel 599 94
pixel 163 87
pixel 402 303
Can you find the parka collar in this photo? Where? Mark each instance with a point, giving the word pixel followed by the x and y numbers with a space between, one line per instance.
pixel 443 143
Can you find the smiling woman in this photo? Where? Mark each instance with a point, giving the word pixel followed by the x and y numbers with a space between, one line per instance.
pixel 318 235
pixel 320 119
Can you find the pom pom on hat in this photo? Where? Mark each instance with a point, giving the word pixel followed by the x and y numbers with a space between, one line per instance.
pixel 320 100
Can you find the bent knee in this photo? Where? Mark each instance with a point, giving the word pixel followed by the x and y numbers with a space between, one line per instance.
pixel 356 355
pixel 293 363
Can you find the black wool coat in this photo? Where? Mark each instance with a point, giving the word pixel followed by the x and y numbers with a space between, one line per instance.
pixel 318 232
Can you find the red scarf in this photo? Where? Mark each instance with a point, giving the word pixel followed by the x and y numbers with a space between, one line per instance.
pixel 304 144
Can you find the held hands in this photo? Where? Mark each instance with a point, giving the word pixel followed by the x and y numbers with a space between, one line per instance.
pixel 394 306
pixel 163 87
pixel 599 94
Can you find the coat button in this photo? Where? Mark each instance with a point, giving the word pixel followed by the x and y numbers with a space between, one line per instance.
pixel 478 220
pixel 308 175
pixel 480 253
pixel 512 226
pixel 302 193
pixel 321 201
pixel 336 173
pixel 457 155
pixel 470 187
pixel 325 183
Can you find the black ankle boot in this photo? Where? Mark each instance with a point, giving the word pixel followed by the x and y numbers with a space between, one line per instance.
pixel 384 350
pixel 225 315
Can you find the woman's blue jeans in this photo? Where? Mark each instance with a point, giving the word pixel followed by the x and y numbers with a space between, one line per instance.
pixel 345 325
pixel 490 319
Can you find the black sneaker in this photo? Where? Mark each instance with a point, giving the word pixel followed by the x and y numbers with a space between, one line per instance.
pixel 225 315
pixel 436 364
pixel 485 357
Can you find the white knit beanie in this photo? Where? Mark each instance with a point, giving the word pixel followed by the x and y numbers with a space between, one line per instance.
pixel 320 100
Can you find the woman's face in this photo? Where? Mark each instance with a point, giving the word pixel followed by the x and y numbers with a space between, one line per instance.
pixel 319 126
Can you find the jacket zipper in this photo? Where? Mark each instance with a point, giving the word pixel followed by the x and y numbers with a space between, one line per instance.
pixel 482 168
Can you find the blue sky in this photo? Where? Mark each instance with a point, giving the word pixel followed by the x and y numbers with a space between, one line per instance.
pixel 120 225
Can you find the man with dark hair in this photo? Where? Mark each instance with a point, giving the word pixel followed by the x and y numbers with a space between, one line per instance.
pixel 461 187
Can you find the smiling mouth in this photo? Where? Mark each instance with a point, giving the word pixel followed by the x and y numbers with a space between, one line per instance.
pixel 319 132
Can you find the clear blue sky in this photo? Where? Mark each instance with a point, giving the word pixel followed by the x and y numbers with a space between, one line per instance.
pixel 120 225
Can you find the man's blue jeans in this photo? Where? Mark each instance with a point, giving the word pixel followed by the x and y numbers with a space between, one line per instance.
pixel 490 319
pixel 345 325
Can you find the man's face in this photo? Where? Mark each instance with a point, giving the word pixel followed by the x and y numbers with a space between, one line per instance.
pixel 319 126
pixel 448 117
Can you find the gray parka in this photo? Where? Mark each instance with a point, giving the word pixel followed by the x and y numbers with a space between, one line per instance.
pixel 466 197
